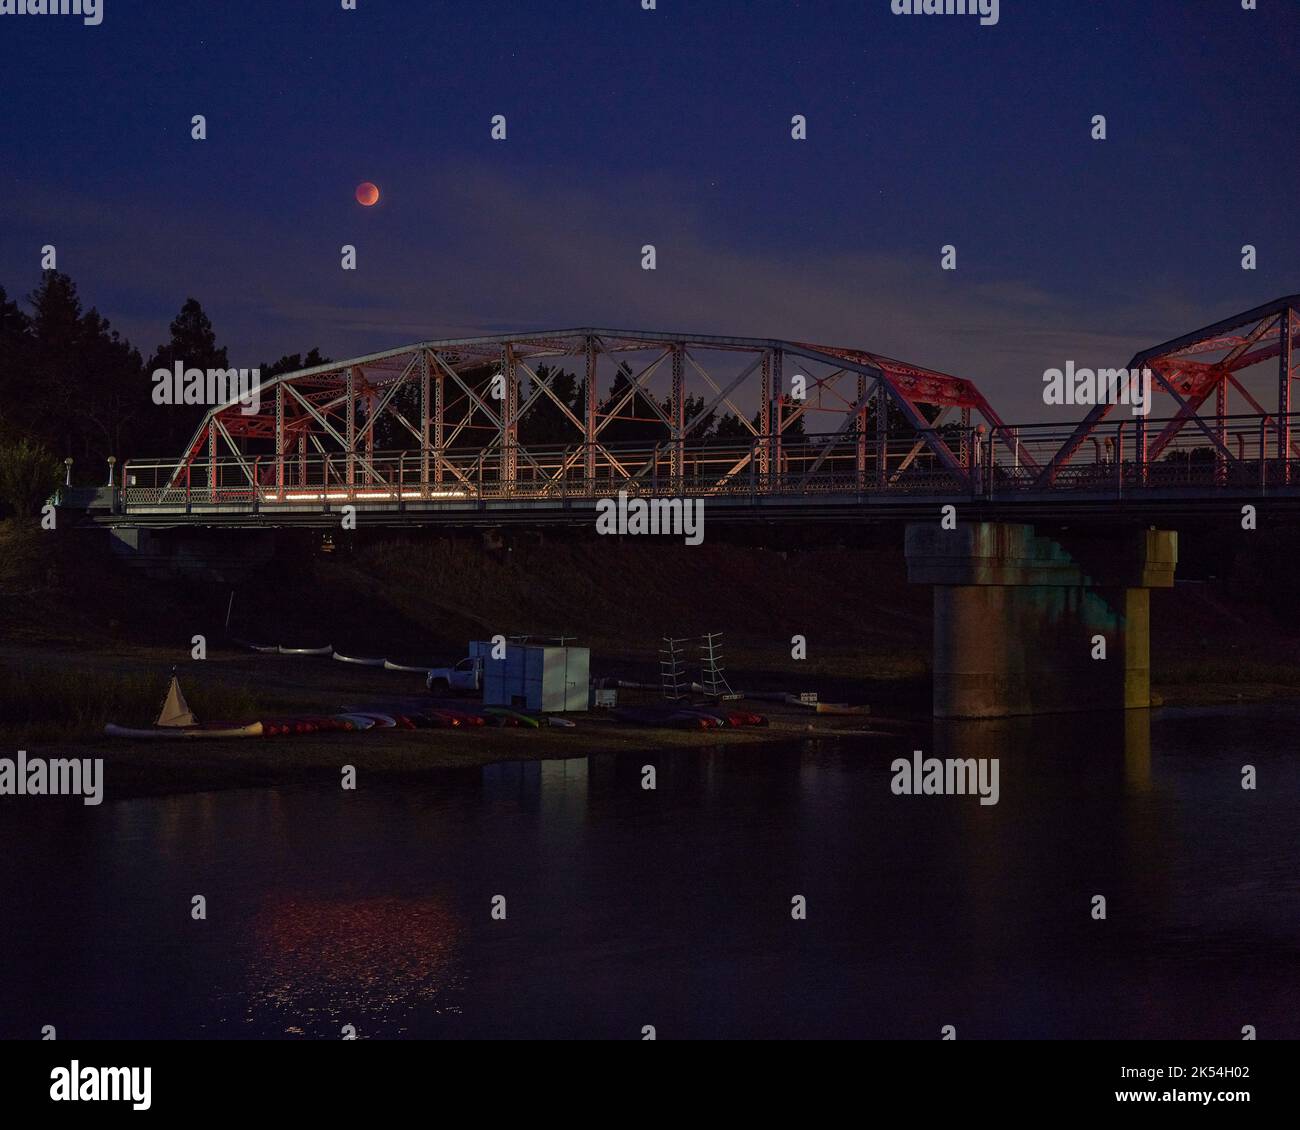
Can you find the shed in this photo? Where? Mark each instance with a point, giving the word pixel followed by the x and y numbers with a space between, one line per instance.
pixel 535 676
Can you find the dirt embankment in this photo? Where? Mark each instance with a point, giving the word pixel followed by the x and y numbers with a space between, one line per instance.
pixel 83 640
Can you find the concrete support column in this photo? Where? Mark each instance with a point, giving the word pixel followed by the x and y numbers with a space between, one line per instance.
pixel 1018 618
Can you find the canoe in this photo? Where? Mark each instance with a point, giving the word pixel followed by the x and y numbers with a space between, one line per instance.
pixel 219 730
pixel 255 646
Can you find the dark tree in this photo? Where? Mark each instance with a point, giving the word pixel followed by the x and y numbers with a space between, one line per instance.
pixel 194 344
pixel 546 425
pixel 293 363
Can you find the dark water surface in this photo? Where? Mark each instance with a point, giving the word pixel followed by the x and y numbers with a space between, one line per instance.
pixel 672 908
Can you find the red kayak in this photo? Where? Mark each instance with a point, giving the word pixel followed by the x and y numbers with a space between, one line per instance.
pixel 463 717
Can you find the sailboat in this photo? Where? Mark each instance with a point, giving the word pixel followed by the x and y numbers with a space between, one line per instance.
pixel 176 720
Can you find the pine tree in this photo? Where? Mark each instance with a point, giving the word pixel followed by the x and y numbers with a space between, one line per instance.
pixel 15 355
pixel 53 394
pixel 193 343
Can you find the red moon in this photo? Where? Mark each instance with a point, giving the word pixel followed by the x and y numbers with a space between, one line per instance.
pixel 367 193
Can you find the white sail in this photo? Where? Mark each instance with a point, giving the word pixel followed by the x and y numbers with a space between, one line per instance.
pixel 175 710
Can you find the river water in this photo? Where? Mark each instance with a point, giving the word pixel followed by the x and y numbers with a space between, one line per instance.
pixel 672 908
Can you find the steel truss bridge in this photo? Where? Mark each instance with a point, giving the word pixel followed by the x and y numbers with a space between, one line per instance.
pixel 813 430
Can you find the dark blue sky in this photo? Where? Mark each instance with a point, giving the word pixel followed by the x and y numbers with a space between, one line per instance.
pixel 669 127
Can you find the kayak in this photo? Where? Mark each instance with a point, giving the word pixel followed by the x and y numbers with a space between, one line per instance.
pixel 747 718
pixel 729 716
pixel 212 730
pixel 423 720
pixel 281 727
pixel 438 719
pixel 567 723
pixel 718 717
pixel 358 721
pixel 389 665
pixel 668 718
pixel 326 650
pixel 304 724
pixel 358 659
pixel 499 719
pixel 382 721
pixel 512 717
pixel 464 717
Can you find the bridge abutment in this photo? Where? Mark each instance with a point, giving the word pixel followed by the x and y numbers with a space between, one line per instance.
pixel 1021 620
pixel 194 554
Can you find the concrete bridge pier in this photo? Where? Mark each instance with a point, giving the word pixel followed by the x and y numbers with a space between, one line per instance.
pixel 1020 619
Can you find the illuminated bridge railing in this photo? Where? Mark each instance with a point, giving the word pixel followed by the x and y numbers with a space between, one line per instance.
pixel 1117 459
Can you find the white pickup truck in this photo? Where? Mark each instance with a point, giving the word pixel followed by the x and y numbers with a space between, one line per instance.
pixel 467 675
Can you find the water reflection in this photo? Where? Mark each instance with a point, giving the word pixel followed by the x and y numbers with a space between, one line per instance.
pixel 671 906
pixel 320 964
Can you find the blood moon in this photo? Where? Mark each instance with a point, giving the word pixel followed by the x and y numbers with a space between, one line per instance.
pixel 367 194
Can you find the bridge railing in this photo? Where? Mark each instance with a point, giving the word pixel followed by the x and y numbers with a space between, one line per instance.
pixel 1133 455
pixel 1121 457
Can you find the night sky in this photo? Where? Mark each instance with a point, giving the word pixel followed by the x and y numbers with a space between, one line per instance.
pixel 669 127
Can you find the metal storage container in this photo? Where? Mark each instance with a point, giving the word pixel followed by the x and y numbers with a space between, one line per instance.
pixel 535 676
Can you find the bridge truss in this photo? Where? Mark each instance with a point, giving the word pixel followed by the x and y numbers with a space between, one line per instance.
pixel 462 405
pixel 1210 362
pixel 562 416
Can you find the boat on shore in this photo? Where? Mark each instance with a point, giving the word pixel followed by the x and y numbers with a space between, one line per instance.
pixel 211 730
pixel 176 721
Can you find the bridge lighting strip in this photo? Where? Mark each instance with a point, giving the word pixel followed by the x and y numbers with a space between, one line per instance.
pixel 364 494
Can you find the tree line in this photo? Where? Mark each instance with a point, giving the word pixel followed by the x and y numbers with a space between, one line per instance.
pixel 73 386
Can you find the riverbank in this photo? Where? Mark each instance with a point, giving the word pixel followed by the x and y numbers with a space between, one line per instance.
pixel 55 703
pixel 143 768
